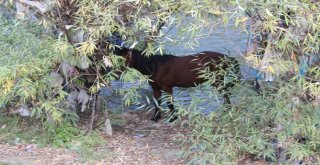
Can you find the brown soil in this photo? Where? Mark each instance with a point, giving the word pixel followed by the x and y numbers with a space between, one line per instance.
pixel 139 141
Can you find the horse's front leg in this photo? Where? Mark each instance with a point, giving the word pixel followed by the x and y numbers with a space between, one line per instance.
pixel 157 112
pixel 172 114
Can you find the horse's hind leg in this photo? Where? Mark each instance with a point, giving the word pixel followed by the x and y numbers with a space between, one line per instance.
pixel 172 114
pixel 157 112
pixel 226 92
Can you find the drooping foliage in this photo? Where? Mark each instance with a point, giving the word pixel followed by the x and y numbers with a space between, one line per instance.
pixel 28 55
pixel 280 125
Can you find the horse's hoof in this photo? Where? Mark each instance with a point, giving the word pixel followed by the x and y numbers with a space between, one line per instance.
pixel 173 118
pixel 156 118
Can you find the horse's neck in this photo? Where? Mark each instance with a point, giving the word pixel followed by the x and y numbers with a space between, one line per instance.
pixel 143 64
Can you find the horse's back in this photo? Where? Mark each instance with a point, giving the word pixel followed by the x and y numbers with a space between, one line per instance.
pixel 213 56
pixel 218 61
pixel 179 71
pixel 184 71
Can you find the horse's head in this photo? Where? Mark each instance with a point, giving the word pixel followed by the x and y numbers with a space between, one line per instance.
pixel 126 53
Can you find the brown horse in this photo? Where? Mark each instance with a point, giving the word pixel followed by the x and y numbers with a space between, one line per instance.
pixel 168 71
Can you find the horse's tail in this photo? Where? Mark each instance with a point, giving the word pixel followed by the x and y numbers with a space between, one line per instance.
pixel 233 77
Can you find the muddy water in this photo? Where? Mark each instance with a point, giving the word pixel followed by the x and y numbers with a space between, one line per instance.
pixel 227 40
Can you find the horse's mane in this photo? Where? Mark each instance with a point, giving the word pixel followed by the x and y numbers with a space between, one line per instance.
pixel 149 64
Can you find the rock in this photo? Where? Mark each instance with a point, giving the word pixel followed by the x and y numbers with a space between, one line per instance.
pixel 16 141
pixel 56 81
pixel 72 98
pixel 83 98
pixel 108 128
pixel 138 135
pixel 24 111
